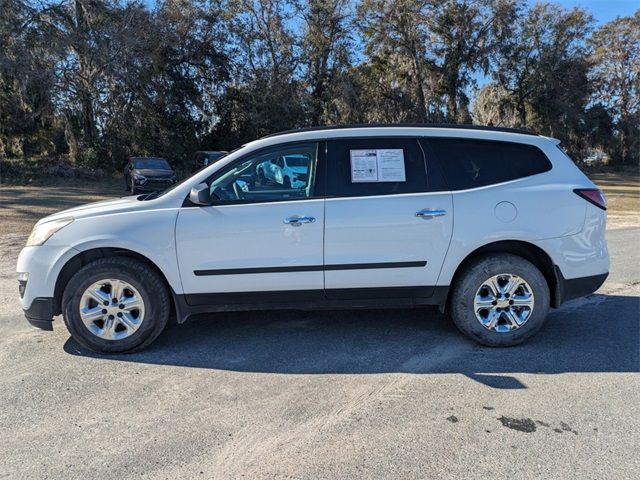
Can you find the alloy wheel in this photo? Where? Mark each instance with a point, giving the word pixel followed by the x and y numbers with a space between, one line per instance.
pixel 503 303
pixel 112 309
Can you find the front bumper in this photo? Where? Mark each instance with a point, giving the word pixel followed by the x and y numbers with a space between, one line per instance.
pixel 40 313
pixel 40 267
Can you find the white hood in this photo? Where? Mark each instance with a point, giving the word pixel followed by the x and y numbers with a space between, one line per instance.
pixel 97 208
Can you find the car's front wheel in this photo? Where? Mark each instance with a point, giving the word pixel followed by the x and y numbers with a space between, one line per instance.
pixel 115 305
pixel 500 300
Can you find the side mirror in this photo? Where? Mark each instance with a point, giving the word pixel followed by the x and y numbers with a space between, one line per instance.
pixel 130 167
pixel 200 195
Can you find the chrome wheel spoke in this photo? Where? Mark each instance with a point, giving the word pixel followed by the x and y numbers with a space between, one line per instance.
pixel 484 303
pixel 95 291
pixel 131 303
pixel 117 289
pixel 512 285
pixel 109 328
pixel 129 322
pixel 90 315
pixel 492 284
pixel 512 318
pixel 523 301
pixel 491 321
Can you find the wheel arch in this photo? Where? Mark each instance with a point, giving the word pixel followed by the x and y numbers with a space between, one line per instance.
pixel 526 250
pixel 84 257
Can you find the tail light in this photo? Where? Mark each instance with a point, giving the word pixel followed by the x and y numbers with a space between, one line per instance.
pixel 592 195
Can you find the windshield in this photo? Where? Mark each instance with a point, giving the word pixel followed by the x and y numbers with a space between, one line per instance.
pixel 152 163
pixel 297 161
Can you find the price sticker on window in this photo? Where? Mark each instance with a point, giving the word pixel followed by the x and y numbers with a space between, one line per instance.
pixel 381 165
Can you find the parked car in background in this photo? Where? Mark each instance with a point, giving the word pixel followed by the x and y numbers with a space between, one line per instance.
pixel 286 170
pixel 205 158
pixel 494 226
pixel 148 174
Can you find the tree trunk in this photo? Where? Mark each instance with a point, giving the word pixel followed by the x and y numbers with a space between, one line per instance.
pixel 522 113
pixel 452 107
pixel 85 74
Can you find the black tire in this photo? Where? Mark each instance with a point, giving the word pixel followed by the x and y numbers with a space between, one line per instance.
pixel 286 183
pixel 261 177
pixel 147 281
pixel 461 306
pixel 126 185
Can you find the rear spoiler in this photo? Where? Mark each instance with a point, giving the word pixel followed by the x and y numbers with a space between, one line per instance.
pixel 555 141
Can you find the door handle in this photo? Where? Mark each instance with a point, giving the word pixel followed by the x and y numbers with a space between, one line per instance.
pixel 297 221
pixel 428 213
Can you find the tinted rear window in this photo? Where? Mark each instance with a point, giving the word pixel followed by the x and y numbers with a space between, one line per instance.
pixel 476 163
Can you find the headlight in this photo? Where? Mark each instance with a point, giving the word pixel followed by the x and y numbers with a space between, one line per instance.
pixel 42 232
pixel 139 178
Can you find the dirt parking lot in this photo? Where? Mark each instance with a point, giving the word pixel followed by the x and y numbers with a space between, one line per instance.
pixel 366 394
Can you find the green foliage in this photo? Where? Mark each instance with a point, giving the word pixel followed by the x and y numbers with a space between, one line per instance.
pixel 101 80
pixel 615 77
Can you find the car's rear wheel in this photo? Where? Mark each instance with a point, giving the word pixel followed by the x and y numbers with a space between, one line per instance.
pixel 115 305
pixel 500 300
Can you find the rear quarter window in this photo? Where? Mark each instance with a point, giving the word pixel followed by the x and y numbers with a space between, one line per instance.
pixel 476 163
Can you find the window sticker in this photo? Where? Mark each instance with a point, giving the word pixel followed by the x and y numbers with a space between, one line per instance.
pixel 391 165
pixel 382 165
pixel 364 166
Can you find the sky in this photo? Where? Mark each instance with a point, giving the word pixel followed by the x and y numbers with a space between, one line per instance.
pixel 602 10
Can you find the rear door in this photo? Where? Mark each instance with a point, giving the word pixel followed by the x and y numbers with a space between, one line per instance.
pixel 387 228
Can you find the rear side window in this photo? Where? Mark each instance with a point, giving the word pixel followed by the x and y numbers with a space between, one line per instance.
pixel 375 166
pixel 476 163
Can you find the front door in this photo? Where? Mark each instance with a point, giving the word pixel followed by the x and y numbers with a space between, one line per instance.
pixel 260 241
pixel 386 231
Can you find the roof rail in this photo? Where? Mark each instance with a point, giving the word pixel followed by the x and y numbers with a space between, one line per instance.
pixel 401 125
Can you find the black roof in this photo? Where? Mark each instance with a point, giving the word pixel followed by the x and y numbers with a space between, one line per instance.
pixel 404 125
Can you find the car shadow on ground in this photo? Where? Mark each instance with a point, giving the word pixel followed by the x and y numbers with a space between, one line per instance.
pixel 596 334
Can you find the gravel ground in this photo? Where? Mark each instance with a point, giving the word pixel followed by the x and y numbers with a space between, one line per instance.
pixel 341 394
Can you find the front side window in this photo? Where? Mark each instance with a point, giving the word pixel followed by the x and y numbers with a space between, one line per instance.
pixel 476 163
pixel 261 177
pixel 375 166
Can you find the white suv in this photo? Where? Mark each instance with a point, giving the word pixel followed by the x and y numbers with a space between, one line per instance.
pixel 494 226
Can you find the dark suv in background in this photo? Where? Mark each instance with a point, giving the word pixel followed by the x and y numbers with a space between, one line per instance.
pixel 148 174
pixel 205 158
